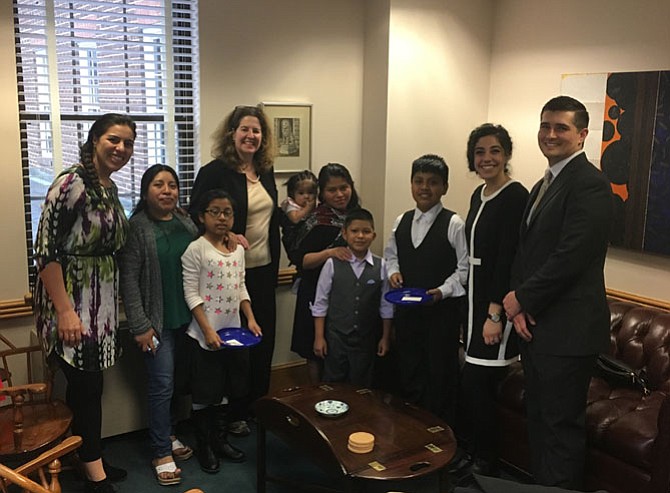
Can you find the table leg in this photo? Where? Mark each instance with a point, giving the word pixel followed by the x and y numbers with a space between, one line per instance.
pixel 261 470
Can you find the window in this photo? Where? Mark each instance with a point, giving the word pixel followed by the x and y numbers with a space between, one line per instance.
pixel 78 59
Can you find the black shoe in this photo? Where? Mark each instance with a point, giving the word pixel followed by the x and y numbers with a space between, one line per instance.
pixel 460 463
pixel 104 486
pixel 207 459
pixel 485 468
pixel 114 474
pixel 221 446
pixel 239 428
pixel 224 449
pixel 204 438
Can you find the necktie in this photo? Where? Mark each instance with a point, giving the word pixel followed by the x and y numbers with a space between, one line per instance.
pixel 546 181
pixel 417 230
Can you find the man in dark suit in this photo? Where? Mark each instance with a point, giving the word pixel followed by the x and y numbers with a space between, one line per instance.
pixel 558 302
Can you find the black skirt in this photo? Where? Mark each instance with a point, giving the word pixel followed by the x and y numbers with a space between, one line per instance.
pixel 210 375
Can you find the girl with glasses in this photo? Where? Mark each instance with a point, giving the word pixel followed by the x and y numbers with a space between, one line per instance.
pixel 215 288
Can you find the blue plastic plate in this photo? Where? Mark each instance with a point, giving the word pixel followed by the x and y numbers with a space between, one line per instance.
pixel 408 296
pixel 238 337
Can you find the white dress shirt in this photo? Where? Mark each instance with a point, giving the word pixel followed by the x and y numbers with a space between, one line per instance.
pixel 453 286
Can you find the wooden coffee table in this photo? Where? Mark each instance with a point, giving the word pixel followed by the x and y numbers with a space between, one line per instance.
pixel 409 442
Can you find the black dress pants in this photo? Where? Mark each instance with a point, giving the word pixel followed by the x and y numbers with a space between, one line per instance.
pixel 427 342
pixel 556 389
pixel 261 283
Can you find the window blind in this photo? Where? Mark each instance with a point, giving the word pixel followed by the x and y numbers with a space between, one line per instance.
pixel 76 60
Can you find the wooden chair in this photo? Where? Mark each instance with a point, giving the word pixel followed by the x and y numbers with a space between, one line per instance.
pixel 30 421
pixel 49 460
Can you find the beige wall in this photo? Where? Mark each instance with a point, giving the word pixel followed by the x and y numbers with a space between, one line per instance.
pixel 371 186
pixel 439 61
pixel 13 270
pixel 13 263
pixel 289 50
pixel 536 42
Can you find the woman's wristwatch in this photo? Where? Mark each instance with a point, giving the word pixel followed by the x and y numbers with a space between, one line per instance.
pixel 494 317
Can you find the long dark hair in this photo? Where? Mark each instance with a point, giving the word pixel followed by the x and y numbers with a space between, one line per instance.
pixel 147 178
pixel 97 130
pixel 224 145
pixel 336 170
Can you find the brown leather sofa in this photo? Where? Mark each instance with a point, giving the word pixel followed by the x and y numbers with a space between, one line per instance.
pixel 628 433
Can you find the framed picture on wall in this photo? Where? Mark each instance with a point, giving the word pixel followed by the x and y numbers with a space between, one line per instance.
pixel 630 117
pixel 291 125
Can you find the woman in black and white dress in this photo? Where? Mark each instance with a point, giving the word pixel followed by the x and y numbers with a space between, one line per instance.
pixel 492 229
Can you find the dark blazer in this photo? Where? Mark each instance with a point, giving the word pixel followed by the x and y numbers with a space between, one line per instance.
pixel 216 174
pixel 558 269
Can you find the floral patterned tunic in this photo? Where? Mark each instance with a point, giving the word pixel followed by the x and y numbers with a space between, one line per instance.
pixel 82 228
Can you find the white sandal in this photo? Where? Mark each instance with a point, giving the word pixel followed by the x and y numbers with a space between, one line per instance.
pixel 181 451
pixel 168 467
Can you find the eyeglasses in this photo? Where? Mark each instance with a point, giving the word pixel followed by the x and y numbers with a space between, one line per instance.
pixel 227 213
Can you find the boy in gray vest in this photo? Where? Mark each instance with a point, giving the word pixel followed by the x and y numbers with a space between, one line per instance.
pixel 427 249
pixel 349 304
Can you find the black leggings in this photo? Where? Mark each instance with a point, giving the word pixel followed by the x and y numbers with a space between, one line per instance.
pixel 84 398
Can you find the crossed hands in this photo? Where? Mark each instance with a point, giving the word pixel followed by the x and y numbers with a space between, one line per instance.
pixel 522 321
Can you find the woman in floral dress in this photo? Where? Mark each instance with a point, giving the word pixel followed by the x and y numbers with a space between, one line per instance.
pixel 81 229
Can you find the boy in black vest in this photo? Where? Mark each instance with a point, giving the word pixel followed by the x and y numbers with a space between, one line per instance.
pixel 427 249
pixel 348 305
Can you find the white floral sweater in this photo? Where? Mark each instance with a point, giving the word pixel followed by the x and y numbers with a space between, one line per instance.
pixel 216 280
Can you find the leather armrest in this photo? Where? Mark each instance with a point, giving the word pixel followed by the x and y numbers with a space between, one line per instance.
pixel 660 475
